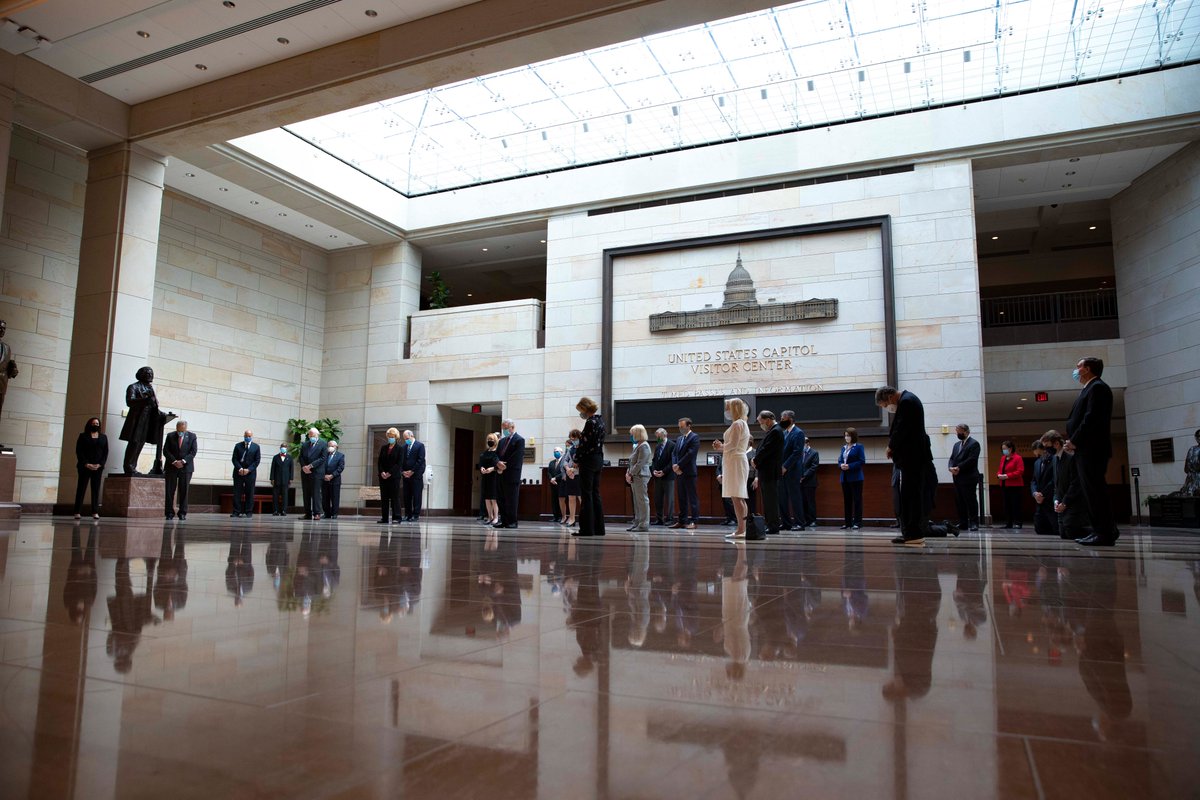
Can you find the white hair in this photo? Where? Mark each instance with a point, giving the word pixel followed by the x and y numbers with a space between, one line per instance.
pixel 509 423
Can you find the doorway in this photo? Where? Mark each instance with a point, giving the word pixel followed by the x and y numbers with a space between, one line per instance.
pixel 464 471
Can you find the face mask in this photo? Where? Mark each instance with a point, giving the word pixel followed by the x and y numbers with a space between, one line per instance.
pixel 728 416
pixel 583 415
pixel 1005 451
pixel 890 408
pixel 312 438
pixel 558 453
pixel 247 439
pixel 408 441
pixel 391 440
pixel 332 450
pixel 962 437
pixel 847 438
pixel 661 439
pixel 633 441
pixel 505 434
pixel 807 448
pixel 785 423
pixel 574 442
pixel 282 450
pixel 92 427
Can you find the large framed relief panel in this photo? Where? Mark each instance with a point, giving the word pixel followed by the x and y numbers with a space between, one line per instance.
pixel 801 317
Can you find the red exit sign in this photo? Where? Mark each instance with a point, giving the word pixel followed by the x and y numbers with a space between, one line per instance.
pixel 476 409
pixel 1042 397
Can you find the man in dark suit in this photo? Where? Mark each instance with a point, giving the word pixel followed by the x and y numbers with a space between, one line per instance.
pixel 791 496
pixel 512 456
pixel 964 466
pixel 312 472
pixel 246 456
pixel 683 464
pixel 554 476
pixel 1089 432
pixel 413 469
pixel 282 473
pixel 179 453
pixel 664 479
pixel 1041 486
pixel 910 451
pixel 769 463
pixel 331 492
pixel 809 462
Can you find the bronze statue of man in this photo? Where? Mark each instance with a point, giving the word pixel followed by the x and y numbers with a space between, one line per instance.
pixel 8 367
pixel 144 422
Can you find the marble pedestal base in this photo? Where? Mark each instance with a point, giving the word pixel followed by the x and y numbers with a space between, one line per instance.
pixel 135 496
pixel 8 482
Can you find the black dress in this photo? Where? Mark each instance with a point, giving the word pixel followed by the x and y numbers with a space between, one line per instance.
pixel 488 459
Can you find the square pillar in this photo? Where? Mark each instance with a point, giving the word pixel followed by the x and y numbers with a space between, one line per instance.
pixel 114 297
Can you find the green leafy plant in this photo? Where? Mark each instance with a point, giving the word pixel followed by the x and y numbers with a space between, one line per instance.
pixel 439 295
pixel 330 430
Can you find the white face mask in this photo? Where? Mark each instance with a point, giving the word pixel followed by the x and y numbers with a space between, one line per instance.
pixel 891 408
pixel 332 450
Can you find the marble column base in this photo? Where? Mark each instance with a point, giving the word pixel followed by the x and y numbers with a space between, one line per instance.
pixel 136 496
pixel 8 481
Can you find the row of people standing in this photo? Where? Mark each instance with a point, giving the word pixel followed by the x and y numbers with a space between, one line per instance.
pixel 500 468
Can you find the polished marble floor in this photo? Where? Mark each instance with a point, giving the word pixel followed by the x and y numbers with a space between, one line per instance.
pixel 278 658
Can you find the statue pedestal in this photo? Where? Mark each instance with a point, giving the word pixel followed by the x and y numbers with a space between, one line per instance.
pixel 8 482
pixel 133 496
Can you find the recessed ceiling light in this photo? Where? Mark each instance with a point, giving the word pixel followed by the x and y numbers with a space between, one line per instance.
pixel 470 295
pixel 994 238
pixel 253 202
pixel 370 12
pixel 333 236
pixel 189 174
pixel 543 241
pixel 1019 408
pixel 222 189
pixel 229 4
pixel 1091 227
pixel 308 224
pixel 201 67
pixel 485 249
pixel 143 34
pixel 1073 160
pixel 284 40
pixel 1024 399
pixel 283 213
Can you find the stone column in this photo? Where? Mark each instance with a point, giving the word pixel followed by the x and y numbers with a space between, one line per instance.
pixel 114 297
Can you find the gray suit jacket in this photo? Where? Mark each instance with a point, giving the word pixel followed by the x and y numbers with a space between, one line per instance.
pixel 639 463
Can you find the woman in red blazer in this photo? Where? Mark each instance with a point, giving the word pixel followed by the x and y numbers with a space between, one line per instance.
pixel 1012 481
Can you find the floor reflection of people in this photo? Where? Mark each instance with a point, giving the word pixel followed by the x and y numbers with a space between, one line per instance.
pixel 1100 643
pixel 79 593
pixel 918 596
pixel 129 613
pixel 855 601
pixel 637 591
pixel 498 586
pixel 239 567
pixel 685 602
pixel 586 616
pixel 969 587
pixel 171 586
pixel 384 577
pixel 735 615
pixel 277 558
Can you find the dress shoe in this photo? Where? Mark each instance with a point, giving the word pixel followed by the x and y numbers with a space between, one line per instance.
pixel 248 516
pixel 691 526
pixel 316 516
pixel 641 530
pixel 234 516
pixel 498 525
pixel 182 517
pixel 1096 540
pixel 796 528
pixel 855 527
pixel 307 516
pixel 845 527
pixel 658 523
pixel 676 525
pixel 170 516
pixel 513 525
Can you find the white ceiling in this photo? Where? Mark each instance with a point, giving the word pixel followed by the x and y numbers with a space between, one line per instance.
pixel 91 35
pixel 1069 179
pixel 216 191
pixel 1003 407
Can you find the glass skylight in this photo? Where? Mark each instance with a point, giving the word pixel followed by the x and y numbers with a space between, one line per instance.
pixel 808 64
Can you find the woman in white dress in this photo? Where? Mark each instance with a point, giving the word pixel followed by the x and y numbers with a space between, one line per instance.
pixel 735 467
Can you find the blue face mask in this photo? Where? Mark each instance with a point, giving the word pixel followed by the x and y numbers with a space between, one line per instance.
pixel 632 440
pixel 558 453
pixel 391 440
pixel 505 434
pixel 282 450
pixel 312 438
pixel 1005 451
pixel 1075 374
pixel 246 439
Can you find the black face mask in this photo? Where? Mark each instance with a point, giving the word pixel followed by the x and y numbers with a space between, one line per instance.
pixel 785 423
pixel 962 437
pixel 1050 451
pixel 92 427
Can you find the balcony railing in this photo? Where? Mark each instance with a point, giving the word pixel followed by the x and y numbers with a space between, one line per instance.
pixel 1054 317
